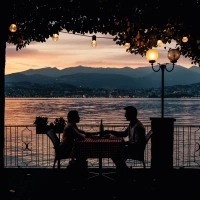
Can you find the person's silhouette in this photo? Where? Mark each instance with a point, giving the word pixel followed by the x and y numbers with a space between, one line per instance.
pixel 71 132
pixel 78 165
pixel 135 132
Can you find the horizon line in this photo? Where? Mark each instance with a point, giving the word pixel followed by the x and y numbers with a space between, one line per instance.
pixel 97 67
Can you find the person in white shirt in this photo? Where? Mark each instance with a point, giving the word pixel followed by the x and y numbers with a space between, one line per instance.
pixel 134 147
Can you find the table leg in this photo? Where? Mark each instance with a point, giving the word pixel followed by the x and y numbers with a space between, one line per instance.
pixel 101 173
pixel 100 170
pixel 104 174
pixel 100 166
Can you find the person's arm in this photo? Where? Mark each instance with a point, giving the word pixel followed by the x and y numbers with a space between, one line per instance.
pixel 79 133
pixel 117 133
pixel 87 134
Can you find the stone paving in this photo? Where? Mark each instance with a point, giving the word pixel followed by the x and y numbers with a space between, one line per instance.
pixel 29 184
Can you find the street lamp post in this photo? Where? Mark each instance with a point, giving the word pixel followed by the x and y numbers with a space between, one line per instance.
pixel 163 128
pixel 162 67
pixel 152 55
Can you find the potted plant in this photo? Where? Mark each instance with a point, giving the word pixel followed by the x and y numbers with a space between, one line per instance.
pixel 59 124
pixel 41 124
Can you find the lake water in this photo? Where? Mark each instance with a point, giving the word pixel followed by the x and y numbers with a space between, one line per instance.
pixel 22 111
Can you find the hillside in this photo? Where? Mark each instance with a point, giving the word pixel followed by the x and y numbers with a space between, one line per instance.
pixel 127 78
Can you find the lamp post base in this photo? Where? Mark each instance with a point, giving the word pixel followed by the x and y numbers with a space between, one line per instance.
pixel 162 143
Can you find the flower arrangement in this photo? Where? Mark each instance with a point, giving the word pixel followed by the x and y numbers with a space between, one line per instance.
pixel 41 121
pixel 59 124
pixel 41 124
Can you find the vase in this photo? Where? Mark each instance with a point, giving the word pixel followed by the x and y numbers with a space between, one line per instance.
pixel 41 129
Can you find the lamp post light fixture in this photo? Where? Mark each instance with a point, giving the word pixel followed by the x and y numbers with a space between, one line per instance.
pixel 173 56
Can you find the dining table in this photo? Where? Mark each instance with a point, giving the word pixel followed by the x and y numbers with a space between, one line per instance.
pixel 99 147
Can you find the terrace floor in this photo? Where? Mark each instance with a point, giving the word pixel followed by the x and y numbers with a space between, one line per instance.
pixel 30 183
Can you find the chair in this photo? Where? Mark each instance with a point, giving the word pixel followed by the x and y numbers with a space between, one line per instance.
pixel 148 137
pixel 56 144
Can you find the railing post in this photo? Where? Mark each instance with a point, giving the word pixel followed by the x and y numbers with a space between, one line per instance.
pixel 162 143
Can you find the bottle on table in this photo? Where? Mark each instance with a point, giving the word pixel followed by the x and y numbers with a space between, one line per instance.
pixel 101 128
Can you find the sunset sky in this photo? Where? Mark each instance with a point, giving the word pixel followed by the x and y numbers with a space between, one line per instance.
pixel 73 50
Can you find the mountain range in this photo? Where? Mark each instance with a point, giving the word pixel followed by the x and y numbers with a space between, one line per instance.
pixel 119 78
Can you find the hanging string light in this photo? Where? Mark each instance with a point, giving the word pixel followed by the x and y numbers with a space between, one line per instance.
pixel 13 28
pixel 55 37
pixel 159 43
pixel 94 42
pixel 127 45
pixel 184 39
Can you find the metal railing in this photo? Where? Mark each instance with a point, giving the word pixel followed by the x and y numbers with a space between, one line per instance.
pixel 24 148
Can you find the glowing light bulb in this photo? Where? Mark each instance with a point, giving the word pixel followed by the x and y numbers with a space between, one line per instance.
pixel 94 42
pixel 13 28
pixel 184 39
pixel 152 55
pixel 159 43
pixel 127 45
pixel 55 37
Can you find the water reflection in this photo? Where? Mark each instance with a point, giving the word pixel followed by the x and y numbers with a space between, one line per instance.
pixel 23 111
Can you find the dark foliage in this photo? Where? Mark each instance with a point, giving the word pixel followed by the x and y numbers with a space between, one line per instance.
pixel 141 23
pixel 41 124
pixel 59 124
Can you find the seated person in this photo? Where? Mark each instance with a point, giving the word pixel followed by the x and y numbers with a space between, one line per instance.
pixel 71 133
pixel 134 147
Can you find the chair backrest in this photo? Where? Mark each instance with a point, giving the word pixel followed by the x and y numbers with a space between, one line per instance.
pixel 148 136
pixel 53 137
